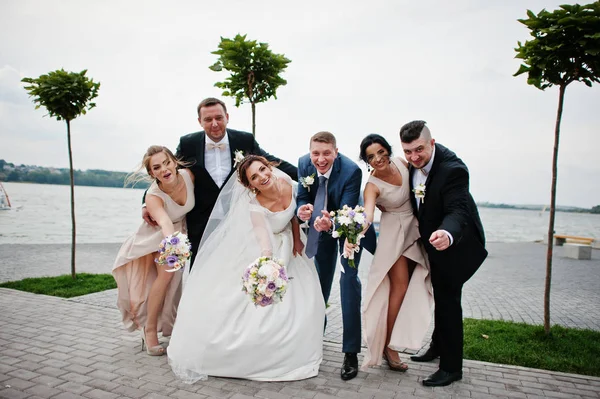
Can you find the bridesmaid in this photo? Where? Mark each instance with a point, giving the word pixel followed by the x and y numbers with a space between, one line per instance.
pixel 148 295
pixel 397 307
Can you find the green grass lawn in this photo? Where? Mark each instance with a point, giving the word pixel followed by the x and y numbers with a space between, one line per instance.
pixel 64 286
pixel 566 349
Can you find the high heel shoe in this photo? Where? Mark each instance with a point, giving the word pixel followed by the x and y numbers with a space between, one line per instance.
pixel 396 366
pixel 157 350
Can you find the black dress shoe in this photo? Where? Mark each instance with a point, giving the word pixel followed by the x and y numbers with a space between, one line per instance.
pixel 442 378
pixel 428 356
pixel 349 367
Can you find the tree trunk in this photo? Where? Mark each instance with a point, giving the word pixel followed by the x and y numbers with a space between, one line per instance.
pixel 73 275
pixel 254 119
pixel 561 97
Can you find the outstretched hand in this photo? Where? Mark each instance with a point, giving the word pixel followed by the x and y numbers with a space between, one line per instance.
pixel 440 240
pixel 305 212
pixel 323 223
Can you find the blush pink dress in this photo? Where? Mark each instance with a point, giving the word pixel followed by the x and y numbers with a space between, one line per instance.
pixel 134 269
pixel 398 235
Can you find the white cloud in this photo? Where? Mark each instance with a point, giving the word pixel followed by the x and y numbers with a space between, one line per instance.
pixel 357 68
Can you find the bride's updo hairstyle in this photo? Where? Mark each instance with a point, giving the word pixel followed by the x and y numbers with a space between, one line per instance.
pixel 138 175
pixel 245 163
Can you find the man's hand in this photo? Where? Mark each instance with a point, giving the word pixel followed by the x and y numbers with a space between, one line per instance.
pixel 305 212
pixel 323 223
pixel 147 218
pixel 440 240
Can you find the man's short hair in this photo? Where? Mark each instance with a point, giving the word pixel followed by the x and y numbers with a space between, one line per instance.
pixel 324 137
pixel 411 131
pixel 210 101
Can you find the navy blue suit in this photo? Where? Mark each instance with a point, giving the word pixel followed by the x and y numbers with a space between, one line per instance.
pixel 343 188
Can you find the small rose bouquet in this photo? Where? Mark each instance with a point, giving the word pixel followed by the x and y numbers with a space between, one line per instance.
pixel 174 251
pixel 307 181
pixel 265 280
pixel 420 192
pixel 349 223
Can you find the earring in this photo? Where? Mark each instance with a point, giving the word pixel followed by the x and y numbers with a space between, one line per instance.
pixel 369 168
pixel 254 190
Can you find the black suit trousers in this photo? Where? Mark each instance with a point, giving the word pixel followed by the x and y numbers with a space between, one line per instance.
pixel 447 337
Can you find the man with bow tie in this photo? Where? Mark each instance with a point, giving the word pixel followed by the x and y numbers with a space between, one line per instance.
pixel 453 236
pixel 211 155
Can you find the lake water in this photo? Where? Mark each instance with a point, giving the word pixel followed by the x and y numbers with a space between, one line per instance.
pixel 41 214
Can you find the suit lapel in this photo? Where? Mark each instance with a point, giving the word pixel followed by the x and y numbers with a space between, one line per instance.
pixel 413 199
pixel 234 145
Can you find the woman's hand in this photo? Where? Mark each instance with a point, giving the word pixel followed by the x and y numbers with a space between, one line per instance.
pixel 298 247
pixel 348 248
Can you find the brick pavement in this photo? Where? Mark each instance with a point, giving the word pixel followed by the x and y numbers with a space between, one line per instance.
pixel 62 349
pixel 52 347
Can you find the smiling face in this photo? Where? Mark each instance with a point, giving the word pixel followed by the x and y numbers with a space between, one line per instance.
pixel 322 155
pixel 418 152
pixel 163 168
pixel 213 120
pixel 377 156
pixel 260 176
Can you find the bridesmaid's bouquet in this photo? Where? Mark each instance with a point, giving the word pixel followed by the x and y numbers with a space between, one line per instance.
pixel 174 251
pixel 265 280
pixel 349 223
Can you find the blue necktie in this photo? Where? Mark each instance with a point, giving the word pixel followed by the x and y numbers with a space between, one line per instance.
pixel 312 241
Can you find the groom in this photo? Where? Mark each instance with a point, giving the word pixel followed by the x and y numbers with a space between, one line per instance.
pixel 211 155
pixel 335 182
pixel 453 237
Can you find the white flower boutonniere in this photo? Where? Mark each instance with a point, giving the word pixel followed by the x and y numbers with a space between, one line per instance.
pixel 420 192
pixel 307 181
pixel 238 156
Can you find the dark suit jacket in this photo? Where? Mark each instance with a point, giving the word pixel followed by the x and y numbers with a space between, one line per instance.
pixel 206 191
pixel 449 206
pixel 343 188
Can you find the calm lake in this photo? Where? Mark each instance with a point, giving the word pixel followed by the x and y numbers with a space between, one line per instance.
pixel 41 214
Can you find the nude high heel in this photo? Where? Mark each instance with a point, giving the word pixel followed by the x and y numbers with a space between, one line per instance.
pixel 157 350
pixel 396 366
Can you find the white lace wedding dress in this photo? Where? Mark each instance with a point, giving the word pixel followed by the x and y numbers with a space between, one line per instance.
pixel 218 331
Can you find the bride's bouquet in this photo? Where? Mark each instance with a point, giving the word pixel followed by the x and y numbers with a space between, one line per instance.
pixel 265 280
pixel 349 223
pixel 174 251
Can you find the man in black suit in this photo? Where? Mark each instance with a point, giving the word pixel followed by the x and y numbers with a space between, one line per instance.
pixel 211 154
pixel 453 237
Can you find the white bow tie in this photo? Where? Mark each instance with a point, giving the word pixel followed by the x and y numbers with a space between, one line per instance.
pixel 212 146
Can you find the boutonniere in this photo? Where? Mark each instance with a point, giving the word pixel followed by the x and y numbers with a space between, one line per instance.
pixel 238 156
pixel 420 192
pixel 307 181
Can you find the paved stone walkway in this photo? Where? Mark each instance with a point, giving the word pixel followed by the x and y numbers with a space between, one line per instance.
pixel 60 349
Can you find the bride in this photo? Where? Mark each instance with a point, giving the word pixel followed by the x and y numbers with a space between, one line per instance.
pixel 219 331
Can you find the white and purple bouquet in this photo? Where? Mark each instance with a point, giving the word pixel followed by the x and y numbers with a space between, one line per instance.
pixel 349 223
pixel 174 251
pixel 265 280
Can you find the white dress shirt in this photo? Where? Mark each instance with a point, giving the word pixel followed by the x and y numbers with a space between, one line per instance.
pixel 420 178
pixel 217 162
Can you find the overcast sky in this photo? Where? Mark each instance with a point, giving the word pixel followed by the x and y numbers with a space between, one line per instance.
pixel 357 67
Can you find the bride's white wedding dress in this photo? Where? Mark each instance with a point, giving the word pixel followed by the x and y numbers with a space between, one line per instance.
pixel 219 331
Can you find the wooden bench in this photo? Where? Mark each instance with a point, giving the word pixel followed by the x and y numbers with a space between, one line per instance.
pixel 560 239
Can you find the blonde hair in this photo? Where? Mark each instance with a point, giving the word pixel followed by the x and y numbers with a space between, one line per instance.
pixel 138 175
